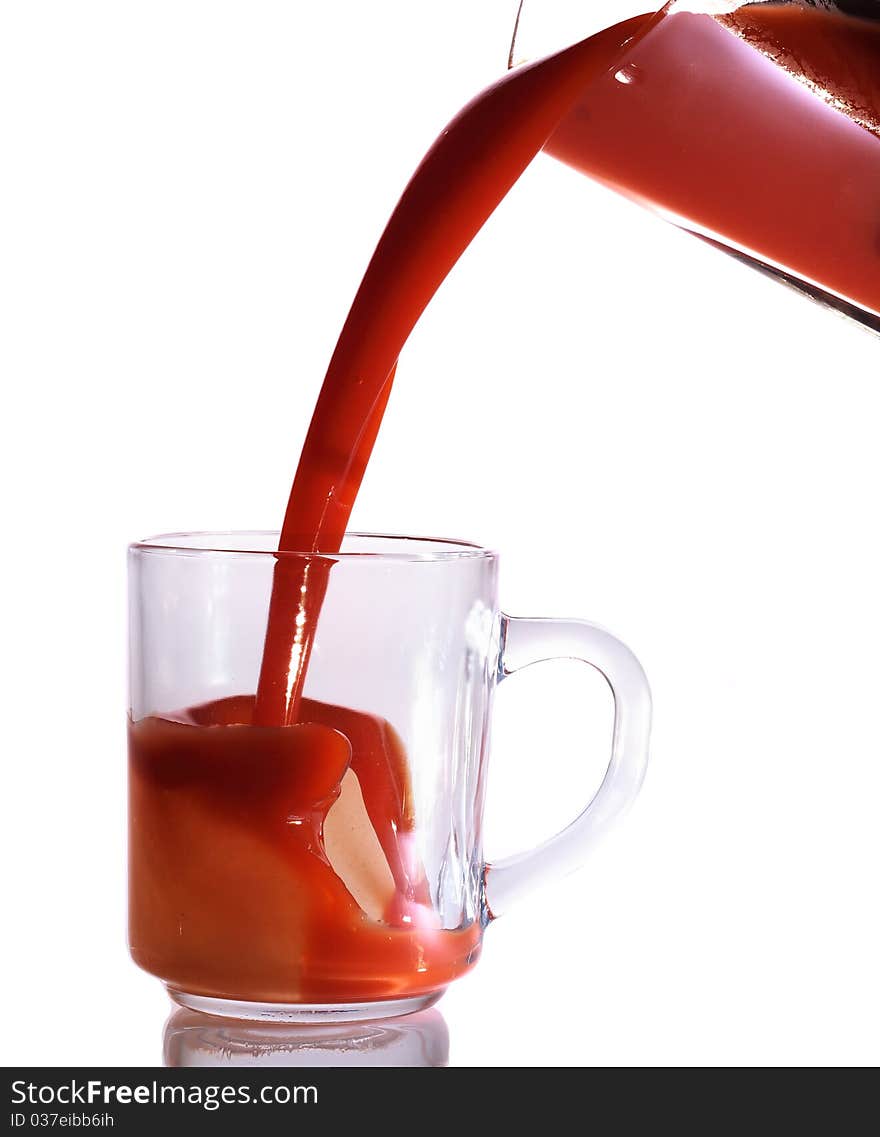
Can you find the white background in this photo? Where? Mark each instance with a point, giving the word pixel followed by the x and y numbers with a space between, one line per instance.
pixel 653 436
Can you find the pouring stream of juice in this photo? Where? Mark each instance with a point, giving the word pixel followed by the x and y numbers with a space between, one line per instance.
pixel 758 130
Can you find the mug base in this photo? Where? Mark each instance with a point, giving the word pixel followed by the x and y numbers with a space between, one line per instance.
pixel 304 1012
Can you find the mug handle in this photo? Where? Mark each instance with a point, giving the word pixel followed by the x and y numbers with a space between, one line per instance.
pixel 528 641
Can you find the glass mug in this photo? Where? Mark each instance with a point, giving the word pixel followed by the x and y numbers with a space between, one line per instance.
pixel 333 869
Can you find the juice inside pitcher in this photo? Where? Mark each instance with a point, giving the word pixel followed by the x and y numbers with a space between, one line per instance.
pixel 757 129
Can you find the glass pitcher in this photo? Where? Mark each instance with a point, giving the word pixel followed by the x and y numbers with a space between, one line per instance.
pixel 754 126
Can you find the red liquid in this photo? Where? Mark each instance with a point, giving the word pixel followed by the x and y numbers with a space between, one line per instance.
pixel 233 893
pixel 460 181
pixel 687 114
pixel 744 149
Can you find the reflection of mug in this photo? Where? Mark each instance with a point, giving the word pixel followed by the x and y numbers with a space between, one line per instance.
pixel 333 868
pixel 194 1039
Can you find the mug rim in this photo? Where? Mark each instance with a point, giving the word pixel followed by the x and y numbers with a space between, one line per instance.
pixel 233 543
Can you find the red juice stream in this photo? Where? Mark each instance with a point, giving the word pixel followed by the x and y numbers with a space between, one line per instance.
pixel 758 130
pixel 461 180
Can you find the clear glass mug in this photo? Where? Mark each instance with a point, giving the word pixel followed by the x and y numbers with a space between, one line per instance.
pixel 334 869
pixel 753 124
